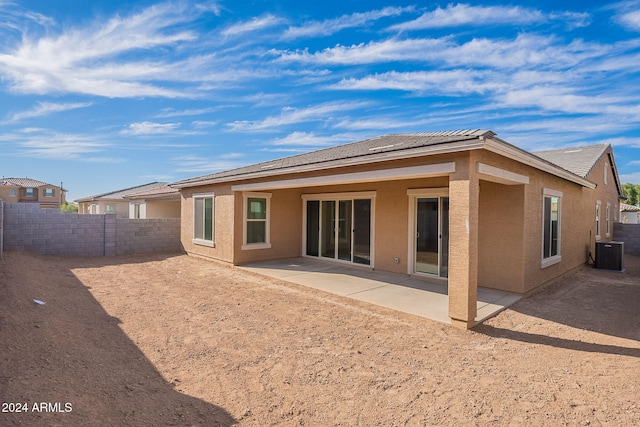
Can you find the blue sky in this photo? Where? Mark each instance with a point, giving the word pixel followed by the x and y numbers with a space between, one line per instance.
pixel 103 94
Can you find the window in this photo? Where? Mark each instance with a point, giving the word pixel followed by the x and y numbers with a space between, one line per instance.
pixel 12 192
pixel 203 219
pixel 48 192
pixel 607 219
pixel 256 213
pixel 606 172
pixel 110 209
pixel 136 210
pixel 598 203
pixel 29 192
pixel 551 227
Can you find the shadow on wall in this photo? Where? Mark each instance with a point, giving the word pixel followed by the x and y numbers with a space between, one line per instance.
pixel 72 355
pixel 589 299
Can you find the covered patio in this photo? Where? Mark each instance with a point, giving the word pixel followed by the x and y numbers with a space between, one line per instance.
pixel 417 296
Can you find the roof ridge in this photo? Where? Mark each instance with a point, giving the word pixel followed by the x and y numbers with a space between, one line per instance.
pixel 120 190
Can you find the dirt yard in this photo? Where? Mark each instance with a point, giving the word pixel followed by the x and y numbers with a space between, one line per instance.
pixel 176 340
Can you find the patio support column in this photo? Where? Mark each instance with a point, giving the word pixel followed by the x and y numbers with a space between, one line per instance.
pixel 464 193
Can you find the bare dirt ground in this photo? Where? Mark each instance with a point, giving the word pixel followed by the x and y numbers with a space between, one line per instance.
pixel 176 340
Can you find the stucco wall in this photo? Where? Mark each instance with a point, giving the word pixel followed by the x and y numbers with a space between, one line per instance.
pixel 501 236
pixel 51 232
pixel 162 209
pixel 222 222
pixel 630 235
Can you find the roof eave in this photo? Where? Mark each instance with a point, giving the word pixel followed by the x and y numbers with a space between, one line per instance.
pixel 445 148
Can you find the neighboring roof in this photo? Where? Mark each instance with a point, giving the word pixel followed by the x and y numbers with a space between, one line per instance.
pixel 578 160
pixel 628 208
pixel 165 192
pixel 374 146
pixel 24 182
pixel 122 194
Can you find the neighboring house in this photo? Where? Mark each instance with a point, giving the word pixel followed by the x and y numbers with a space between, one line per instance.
pixel 161 202
pixel 27 190
pixel 463 207
pixel 153 200
pixel 629 214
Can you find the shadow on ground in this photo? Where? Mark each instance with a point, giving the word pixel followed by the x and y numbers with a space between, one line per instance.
pixel 72 355
pixel 593 300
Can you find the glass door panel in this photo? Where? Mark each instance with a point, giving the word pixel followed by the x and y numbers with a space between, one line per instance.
pixel 327 229
pixel 344 230
pixel 444 241
pixel 313 227
pixel 362 231
pixel 427 236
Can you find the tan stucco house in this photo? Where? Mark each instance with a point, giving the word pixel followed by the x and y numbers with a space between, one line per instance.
pixel 28 190
pixel 463 207
pixel 152 200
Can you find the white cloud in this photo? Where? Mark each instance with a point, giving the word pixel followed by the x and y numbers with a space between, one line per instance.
pixel 198 164
pixel 91 60
pixel 201 124
pixel 465 15
pixel 43 143
pixel 630 20
pixel 46 108
pixel 523 51
pixel 310 139
pixel 170 112
pixel 332 26
pixel 373 52
pixel 450 82
pixel 290 116
pixel 633 177
pixel 150 128
pixel 255 24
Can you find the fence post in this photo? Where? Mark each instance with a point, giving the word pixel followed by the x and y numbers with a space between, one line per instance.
pixel 109 234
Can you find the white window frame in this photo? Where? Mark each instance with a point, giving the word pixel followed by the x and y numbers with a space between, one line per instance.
pixel 110 209
pixel 554 259
pixel 136 211
pixel 598 217
pixel 608 220
pixel 606 172
pixel 245 205
pixel 200 241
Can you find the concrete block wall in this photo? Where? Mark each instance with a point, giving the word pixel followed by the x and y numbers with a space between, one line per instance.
pixel 29 228
pixel 1 226
pixel 135 236
pixel 630 235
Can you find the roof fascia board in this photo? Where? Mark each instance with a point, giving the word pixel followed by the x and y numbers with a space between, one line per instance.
pixel 505 149
pixel 444 148
pixel 410 172
pixel 616 177
pixel 501 176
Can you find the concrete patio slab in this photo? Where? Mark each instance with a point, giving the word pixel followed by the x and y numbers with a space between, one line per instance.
pixel 400 292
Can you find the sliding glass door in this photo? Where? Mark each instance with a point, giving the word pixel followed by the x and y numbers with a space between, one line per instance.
pixel 432 236
pixel 339 229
